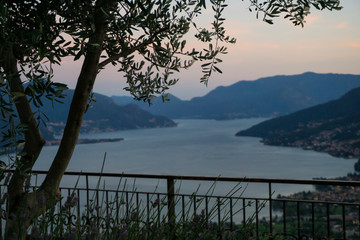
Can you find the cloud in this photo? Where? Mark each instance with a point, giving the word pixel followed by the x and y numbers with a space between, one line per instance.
pixel 341 25
pixel 354 45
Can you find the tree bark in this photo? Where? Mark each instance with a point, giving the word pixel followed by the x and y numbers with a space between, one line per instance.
pixel 33 138
pixel 24 207
pixel 79 102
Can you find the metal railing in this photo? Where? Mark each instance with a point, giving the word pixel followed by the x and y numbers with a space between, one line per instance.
pixel 272 217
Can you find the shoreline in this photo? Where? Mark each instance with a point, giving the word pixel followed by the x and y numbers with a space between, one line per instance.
pixel 338 150
pixel 86 141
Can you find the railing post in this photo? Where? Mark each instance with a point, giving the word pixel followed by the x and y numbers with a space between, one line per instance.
pixel 270 211
pixel 171 199
pixel 344 221
pixel 87 197
pixel 1 221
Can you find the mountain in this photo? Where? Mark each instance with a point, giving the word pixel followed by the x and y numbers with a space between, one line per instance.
pixel 123 100
pixel 332 127
pixel 265 97
pixel 158 107
pixel 104 116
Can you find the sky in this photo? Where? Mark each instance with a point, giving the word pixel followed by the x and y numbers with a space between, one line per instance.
pixel 328 43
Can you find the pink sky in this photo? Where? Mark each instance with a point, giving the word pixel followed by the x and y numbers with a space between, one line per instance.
pixel 329 43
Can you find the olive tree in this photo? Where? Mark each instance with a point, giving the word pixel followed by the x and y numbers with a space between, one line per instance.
pixel 145 39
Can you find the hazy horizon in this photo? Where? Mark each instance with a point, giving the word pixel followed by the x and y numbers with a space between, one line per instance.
pixel 328 43
pixel 195 96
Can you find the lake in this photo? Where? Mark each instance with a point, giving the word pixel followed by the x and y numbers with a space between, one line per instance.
pixel 203 148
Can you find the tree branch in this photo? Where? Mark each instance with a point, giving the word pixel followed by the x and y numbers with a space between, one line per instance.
pixel 33 138
pixel 129 51
pixel 78 105
pixel 125 53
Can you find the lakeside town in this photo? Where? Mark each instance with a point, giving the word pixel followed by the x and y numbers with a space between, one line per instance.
pixel 326 215
pixel 342 141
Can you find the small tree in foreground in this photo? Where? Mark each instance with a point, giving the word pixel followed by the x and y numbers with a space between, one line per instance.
pixel 144 38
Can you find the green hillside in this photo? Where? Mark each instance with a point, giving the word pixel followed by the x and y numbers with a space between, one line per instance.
pixel 332 127
pixel 104 116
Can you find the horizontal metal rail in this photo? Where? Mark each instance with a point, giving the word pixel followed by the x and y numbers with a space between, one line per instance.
pixel 207 178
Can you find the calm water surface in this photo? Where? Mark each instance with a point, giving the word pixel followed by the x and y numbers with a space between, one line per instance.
pixel 199 147
pixel 203 148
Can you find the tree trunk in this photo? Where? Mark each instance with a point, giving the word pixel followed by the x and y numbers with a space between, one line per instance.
pixel 33 138
pixel 79 102
pixel 24 207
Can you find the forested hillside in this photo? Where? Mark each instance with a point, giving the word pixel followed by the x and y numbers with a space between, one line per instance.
pixel 333 127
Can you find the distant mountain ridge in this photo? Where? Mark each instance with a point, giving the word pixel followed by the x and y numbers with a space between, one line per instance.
pixel 265 97
pixel 104 116
pixel 158 107
pixel 332 127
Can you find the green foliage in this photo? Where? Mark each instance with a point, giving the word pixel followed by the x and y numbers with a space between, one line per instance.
pixel 37 90
pixel 294 10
